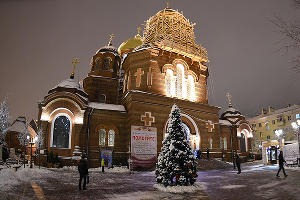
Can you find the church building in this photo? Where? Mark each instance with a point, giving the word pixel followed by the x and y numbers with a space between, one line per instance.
pixel 121 108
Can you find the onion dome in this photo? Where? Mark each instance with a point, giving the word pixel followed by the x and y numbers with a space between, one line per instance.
pixel 231 114
pixel 130 44
pixel 109 47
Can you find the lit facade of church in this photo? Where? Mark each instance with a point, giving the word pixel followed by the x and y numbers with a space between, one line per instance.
pixel 136 86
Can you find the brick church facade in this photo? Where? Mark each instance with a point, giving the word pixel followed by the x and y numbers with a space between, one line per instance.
pixel 136 85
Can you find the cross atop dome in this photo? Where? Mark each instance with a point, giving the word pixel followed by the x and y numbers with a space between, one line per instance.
pixel 168 4
pixel 74 62
pixel 229 99
pixel 110 39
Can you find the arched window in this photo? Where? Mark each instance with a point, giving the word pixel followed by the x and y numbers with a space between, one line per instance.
pixel 225 143
pixel 97 64
pixel 102 137
pixel 221 143
pixel 178 86
pixel 243 143
pixel 191 88
pixel 106 63
pixel 101 98
pixel 179 81
pixel 170 84
pixel 111 137
pixel 61 131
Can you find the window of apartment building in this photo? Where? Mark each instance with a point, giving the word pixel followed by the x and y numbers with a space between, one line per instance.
pixel 259 124
pixel 273 121
pixel 253 125
pixel 260 134
pixel 289 117
pixel 297 116
pixel 279 119
pixel 268 137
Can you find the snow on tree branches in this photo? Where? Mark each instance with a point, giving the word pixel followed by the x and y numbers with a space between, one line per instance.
pixel 40 139
pixel 176 162
pixel 4 121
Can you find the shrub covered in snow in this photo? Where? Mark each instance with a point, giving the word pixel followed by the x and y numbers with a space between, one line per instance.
pixel 176 162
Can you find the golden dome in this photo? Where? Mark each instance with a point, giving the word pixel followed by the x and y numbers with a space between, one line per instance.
pixel 170 30
pixel 130 44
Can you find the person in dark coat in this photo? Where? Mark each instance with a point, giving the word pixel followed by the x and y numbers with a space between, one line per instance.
pixel 238 163
pixel 199 154
pixel 83 170
pixel 207 153
pixel 281 161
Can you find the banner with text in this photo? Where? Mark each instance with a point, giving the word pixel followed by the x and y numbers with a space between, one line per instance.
pixel 143 146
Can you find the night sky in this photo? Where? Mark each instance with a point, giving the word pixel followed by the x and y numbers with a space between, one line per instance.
pixel 40 38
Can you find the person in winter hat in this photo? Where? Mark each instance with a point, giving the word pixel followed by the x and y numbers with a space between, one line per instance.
pixel 83 170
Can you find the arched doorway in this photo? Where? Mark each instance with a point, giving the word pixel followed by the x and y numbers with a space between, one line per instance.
pixel 191 131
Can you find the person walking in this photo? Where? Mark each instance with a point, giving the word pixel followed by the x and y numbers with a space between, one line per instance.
pixel 238 163
pixel 83 170
pixel 102 164
pixel 281 161
pixel 207 153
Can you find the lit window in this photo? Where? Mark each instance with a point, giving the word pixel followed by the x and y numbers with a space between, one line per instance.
pixel 179 87
pixel 111 137
pixel 170 84
pixel 102 137
pixel 210 143
pixel 179 81
pixel 191 88
pixel 61 129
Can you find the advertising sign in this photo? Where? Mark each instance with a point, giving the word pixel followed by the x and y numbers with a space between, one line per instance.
pixel 143 146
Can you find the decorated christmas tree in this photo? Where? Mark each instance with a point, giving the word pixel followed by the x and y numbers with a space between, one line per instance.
pixel 176 163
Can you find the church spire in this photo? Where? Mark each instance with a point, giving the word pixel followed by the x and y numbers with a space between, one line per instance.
pixel 74 62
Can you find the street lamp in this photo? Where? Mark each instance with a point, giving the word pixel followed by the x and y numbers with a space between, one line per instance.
pixel 31 143
pixel 296 126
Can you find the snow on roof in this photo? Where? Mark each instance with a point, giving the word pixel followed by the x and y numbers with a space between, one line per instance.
pixel 224 122
pixel 69 83
pixel 105 106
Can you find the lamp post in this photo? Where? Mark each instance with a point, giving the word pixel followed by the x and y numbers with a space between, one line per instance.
pixel 31 143
pixel 296 126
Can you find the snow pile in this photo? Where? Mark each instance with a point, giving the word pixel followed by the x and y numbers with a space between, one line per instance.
pixel 9 178
pixel 212 164
pixel 180 189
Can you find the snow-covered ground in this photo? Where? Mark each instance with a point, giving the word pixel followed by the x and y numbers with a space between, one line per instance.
pixel 255 182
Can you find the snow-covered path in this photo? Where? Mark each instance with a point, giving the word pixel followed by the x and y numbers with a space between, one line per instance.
pixel 255 182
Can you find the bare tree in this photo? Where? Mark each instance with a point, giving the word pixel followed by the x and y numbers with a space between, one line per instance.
pixel 291 32
pixel 4 121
